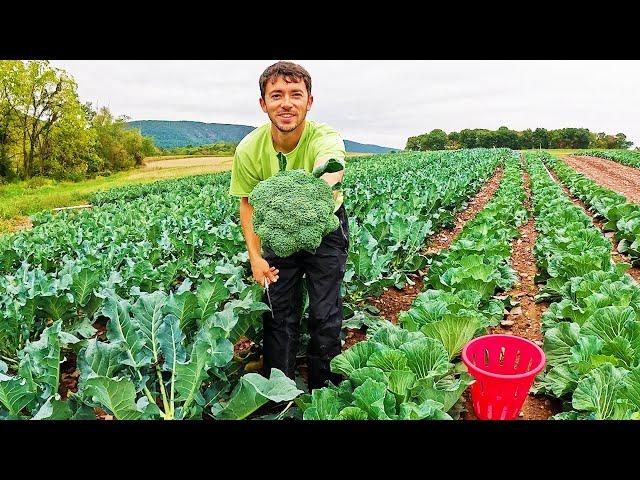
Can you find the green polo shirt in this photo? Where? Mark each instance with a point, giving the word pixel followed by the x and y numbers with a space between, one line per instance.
pixel 256 158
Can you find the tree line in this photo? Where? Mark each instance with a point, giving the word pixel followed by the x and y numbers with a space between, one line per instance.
pixel 517 140
pixel 45 130
pixel 220 148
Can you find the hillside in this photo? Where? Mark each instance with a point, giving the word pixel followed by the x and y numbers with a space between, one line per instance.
pixel 169 134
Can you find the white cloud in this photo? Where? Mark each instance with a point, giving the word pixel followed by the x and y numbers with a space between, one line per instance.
pixel 380 102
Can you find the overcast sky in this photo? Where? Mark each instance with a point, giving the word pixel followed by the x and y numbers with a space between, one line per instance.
pixel 379 102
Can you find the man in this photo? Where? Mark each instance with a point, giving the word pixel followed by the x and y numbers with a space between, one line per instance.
pixel 285 96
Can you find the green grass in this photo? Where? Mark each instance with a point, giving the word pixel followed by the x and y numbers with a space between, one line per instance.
pixel 553 151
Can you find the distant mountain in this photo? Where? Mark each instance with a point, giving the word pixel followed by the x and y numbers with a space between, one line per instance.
pixel 355 147
pixel 169 134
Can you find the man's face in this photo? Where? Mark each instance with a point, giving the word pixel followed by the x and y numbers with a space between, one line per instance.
pixel 286 103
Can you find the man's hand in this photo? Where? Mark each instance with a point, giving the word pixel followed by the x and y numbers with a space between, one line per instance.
pixel 262 270
pixel 259 266
pixel 330 178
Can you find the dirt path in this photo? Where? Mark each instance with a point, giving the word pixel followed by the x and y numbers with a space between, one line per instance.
pixel 619 178
pixel 393 301
pixel 523 319
pixel 599 223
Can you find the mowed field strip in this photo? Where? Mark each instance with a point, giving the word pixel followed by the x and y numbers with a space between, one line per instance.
pixel 191 162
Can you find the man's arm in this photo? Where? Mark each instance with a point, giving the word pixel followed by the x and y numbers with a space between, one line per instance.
pixel 330 146
pixel 259 266
pixel 330 178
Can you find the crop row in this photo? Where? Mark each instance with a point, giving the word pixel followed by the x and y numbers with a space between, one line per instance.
pixel 623 217
pixel 405 371
pixel 592 327
pixel 626 157
pixel 187 186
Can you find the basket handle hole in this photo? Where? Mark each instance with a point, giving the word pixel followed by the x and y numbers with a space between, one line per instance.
pixel 501 356
pixel 530 364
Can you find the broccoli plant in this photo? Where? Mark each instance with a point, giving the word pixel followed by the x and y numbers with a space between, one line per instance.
pixel 293 209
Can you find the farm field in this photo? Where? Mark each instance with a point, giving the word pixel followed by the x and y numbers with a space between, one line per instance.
pixel 19 200
pixel 142 306
pixel 608 173
pixel 609 211
pixel 624 157
pixel 591 322
pixel 88 278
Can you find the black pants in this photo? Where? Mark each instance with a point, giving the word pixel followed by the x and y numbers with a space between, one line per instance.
pixel 324 271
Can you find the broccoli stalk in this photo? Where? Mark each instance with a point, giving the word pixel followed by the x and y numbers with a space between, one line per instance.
pixel 293 209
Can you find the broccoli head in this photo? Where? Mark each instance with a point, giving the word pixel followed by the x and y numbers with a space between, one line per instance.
pixel 293 210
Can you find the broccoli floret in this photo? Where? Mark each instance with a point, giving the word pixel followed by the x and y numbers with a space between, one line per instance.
pixel 293 210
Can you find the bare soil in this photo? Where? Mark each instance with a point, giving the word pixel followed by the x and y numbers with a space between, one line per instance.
pixel 523 319
pixel 69 374
pixel 242 345
pixel 102 414
pixel 620 178
pixel 354 335
pixel 24 222
pixel 599 223
pixel 393 300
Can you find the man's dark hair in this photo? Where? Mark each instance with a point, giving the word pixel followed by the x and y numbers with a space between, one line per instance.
pixel 289 71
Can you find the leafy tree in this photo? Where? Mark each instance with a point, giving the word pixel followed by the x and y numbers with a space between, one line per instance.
pixel 119 146
pixel 45 129
pixel 622 141
pixel 602 140
pixel 453 141
pixel 506 138
pixel 541 138
pixel 435 140
pixel 68 153
pixel 8 136
pixel 40 97
pixel 485 138
pixel 468 138
pixel 525 139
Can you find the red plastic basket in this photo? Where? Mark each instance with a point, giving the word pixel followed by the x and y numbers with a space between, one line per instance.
pixel 504 367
